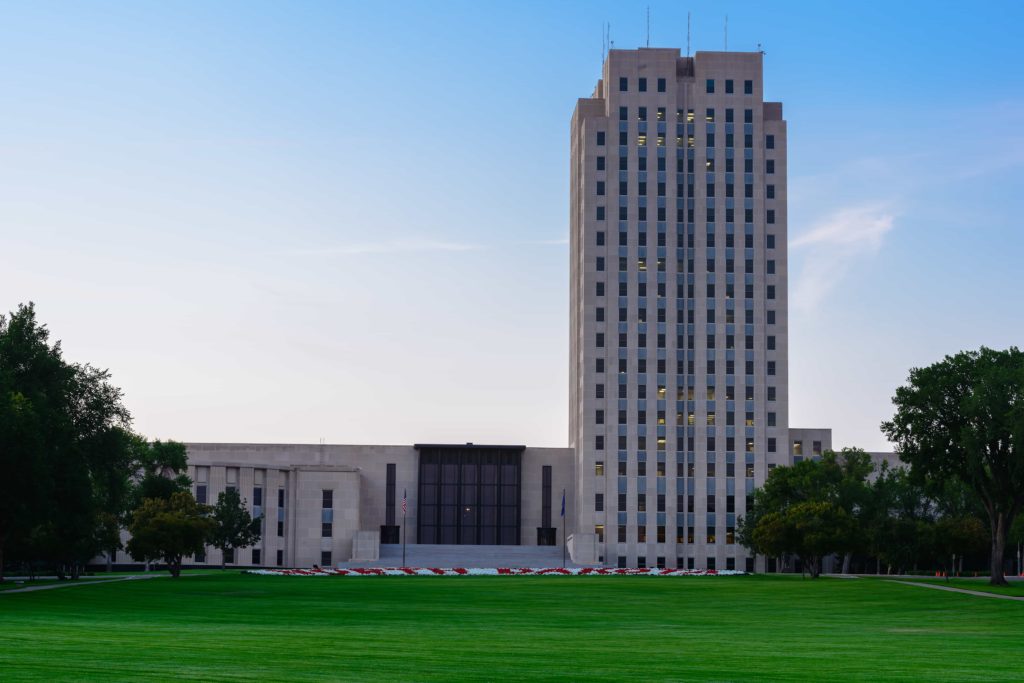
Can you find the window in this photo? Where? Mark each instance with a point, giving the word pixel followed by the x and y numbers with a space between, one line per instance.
pixel 748 87
pixel 325 558
pixel 600 213
pixel 599 441
pixel 280 528
pixel 710 86
pixel 280 558
pixel 642 87
pixel 769 142
pixel 728 86
pixel 201 494
pixel 600 163
pixel 599 468
pixel 326 529
pixel 798 448
pixel 661 85
pixel 328 499
pixel 599 417
pixel 771 216
pixel 769 166
pixel 600 188
pixel 769 192
pixel 623 84
pixel 711 539
pixel 599 530
pixel 600 138
pixel 229 556
pixel 599 502
pixel 257 559
pixel 748 115
pixel 641 535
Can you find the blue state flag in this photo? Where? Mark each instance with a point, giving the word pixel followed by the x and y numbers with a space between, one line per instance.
pixel 563 502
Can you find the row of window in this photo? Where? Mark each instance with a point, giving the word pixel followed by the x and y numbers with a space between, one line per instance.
pixel 749 395
pixel 709 85
pixel 682 166
pixel 689 562
pixel 688 419
pixel 682 190
pixel 683 502
pixel 709 241
pixel 660 536
pixel 662 317
pixel 687 367
pixel 690 141
pixel 686 215
pixel 661 338
pixel 686 266
pixel 661 442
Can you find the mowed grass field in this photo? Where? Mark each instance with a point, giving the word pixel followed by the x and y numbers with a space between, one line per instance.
pixel 228 626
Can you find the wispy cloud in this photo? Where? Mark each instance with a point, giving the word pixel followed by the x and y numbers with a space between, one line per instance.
pixel 386 247
pixel 834 245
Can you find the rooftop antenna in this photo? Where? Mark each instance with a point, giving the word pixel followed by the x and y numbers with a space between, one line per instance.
pixel 688 34
pixel 726 32
pixel 648 26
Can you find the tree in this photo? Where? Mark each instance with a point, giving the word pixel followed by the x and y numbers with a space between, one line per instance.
pixel 838 480
pixel 64 461
pixel 235 528
pixel 161 467
pixel 169 529
pixel 809 529
pixel 961 420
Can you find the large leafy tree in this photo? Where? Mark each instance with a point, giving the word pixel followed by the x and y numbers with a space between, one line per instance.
pixel 64 453
pixel 169 529
pixel 961 421
pixel 235 527
pixel 809 529
pixel 838 480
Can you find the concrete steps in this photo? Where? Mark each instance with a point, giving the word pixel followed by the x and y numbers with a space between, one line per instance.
pixel 468 556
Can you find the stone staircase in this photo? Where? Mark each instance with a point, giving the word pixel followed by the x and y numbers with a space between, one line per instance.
pixel 486 556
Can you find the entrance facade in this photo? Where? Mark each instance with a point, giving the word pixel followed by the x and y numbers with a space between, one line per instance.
pixel 469 495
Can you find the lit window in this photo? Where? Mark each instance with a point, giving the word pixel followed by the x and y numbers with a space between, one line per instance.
pixel 689 116
pixel 599 468
pixel 641 139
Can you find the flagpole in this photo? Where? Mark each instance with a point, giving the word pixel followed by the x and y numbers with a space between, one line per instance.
pixel 565 541
pixel 403 526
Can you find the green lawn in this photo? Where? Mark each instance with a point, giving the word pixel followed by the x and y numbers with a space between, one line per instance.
pixel 236 627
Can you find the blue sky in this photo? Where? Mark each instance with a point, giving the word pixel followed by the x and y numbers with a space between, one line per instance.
pixel 294 221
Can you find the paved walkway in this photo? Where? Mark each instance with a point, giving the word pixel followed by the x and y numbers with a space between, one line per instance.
pixel 90 582
pixel 981 594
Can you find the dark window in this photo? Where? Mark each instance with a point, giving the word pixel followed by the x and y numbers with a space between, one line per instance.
pixel 710 86
pixel 769 142
pixel 280 558
pixel 623 84
pixel 257 558
pixel 325 558
pixel 728 86
pixel 470 495
pixel 389 494
pixel 229 556
pixel 326 529
pixel 600 138
pixel 280 528
pixel 201 494
pixel 328 499
pixel 643 85
pixel 748 87
pixel 661 85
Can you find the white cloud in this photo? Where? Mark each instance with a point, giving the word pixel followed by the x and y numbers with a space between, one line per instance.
pixel 386 247
pixel 834 245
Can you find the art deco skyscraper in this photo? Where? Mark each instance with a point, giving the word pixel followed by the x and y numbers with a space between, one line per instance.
pixel 678 359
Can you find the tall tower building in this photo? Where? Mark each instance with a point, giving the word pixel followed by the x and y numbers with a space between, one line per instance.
pixel 679 345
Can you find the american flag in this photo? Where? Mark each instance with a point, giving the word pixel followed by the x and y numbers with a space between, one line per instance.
pixel 403 502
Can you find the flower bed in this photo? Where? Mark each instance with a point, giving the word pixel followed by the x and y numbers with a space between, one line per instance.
pixel 501 571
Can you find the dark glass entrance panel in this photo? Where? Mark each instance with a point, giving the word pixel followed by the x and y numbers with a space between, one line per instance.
pixel 469 495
